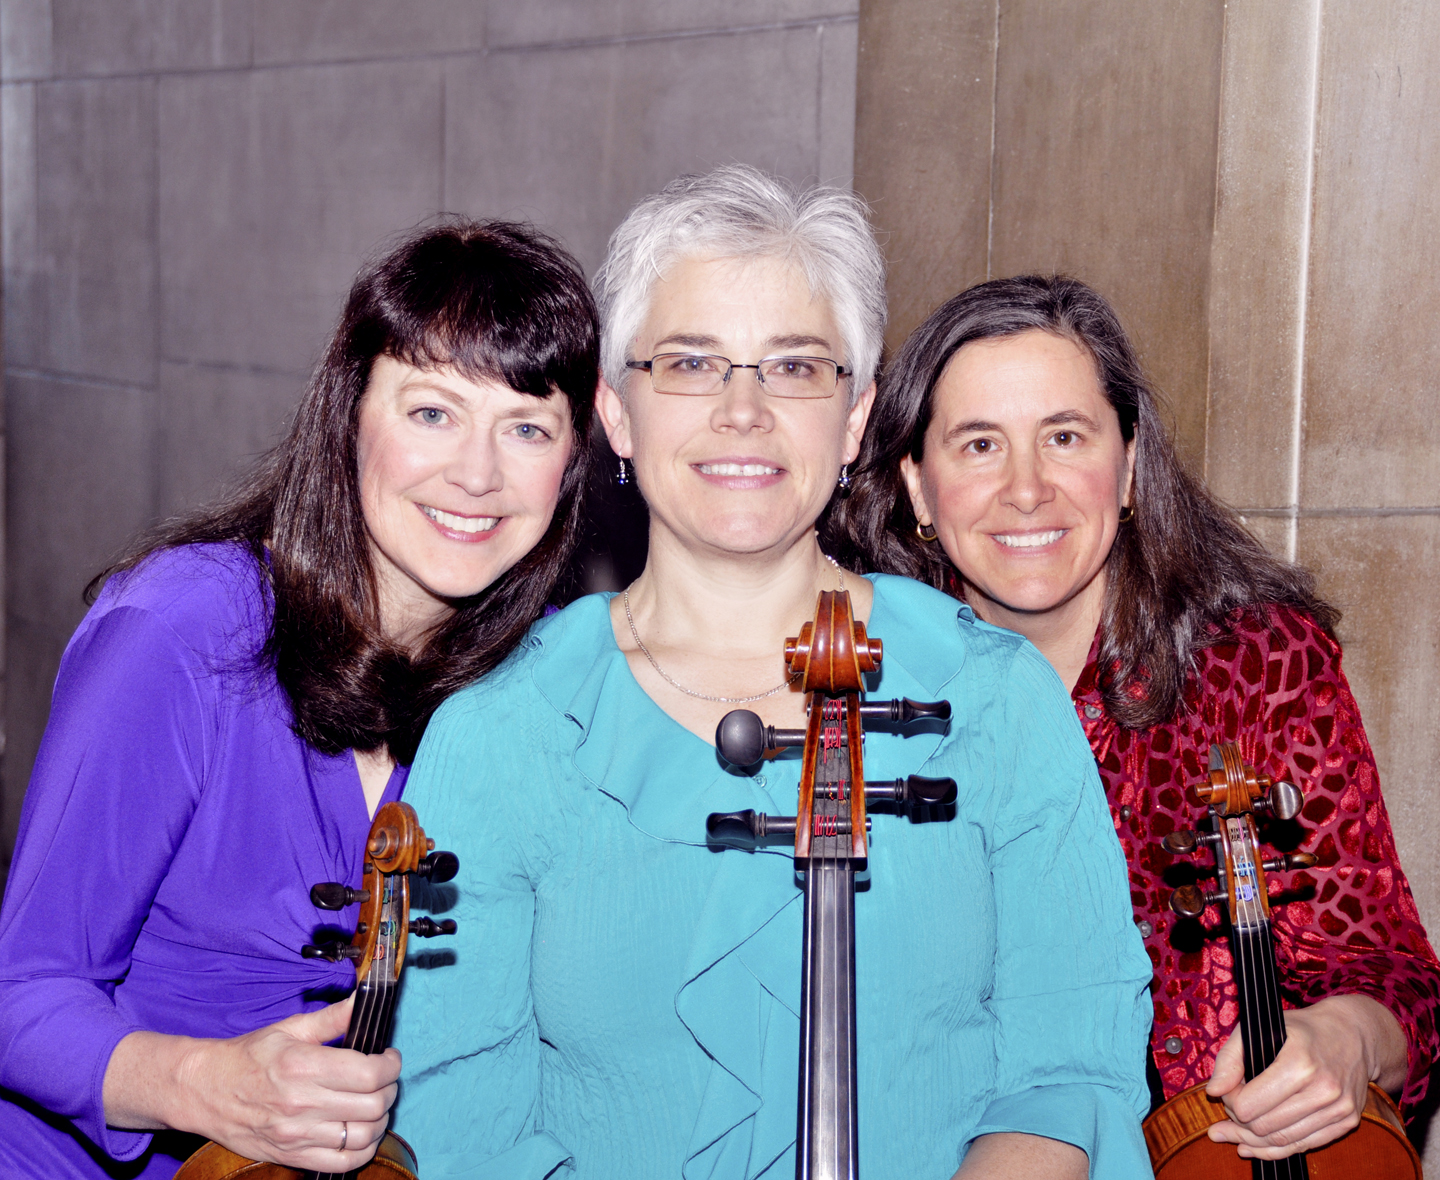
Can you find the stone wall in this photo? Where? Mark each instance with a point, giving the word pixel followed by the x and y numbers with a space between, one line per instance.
pixel 189 186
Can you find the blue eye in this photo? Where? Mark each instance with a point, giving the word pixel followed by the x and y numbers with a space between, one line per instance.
pixel 430 416
pixel 529 432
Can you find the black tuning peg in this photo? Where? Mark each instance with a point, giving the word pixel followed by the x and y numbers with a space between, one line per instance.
pixel 740 737
pixel 1291 860
pixel 1189 902
pixel 331 951
pixel 1283 802
pixel 331 895
pixel 913 792
pixel 1182 842
pixel 904 711
pixel 425 928
pixel 439 867
pixel 747 827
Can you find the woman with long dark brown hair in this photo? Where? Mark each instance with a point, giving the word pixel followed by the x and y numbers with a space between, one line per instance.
pixel 1016 457
pixel 248 688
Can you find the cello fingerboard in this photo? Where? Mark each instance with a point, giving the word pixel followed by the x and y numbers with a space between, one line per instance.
pixel 828 1139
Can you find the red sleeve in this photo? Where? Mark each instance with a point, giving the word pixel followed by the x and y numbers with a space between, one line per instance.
pixel 1359 932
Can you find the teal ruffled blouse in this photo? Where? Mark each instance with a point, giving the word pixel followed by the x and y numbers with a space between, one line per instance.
pixel 621 1001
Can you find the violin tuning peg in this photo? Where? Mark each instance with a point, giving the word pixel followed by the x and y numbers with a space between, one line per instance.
pixel 439 867
pixel 331 895
pixel 1189 902
pixel 1283 802
pixel 1291 860
pixel 332 952
pixel 1181 842
pixel 426 928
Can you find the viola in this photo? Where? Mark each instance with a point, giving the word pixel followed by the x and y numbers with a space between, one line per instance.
pixel 1176 1133
pixel 396 847
pixel 830 830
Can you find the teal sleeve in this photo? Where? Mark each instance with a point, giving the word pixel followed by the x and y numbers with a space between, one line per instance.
pixel 1071 999
pixel 465 1026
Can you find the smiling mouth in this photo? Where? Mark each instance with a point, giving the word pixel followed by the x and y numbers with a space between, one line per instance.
pixel 1029 540
pixel 460 524
pixel 736 469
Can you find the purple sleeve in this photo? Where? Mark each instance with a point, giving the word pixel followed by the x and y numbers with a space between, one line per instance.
pixel 115 784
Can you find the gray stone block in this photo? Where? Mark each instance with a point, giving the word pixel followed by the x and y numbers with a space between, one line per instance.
pixel 80 476
pixel 130 36
pixel 839 51
pixel 32 661
pixel 572 138
pixel 80 241
pixel 24 39
pixel 274 184
pixel 214 424
pixel 559 21
pixel 339 30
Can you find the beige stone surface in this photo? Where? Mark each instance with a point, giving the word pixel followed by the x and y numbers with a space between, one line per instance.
pixel 1105 139
pixel 1373 350
pixel 1382 572
pixel 922 146
pixel 1260 251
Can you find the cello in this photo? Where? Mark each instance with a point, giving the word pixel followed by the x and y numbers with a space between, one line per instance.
pixel 1180 1149
pixel 396 847
pixel 830 658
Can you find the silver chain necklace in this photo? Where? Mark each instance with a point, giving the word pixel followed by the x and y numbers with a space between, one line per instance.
pixel 705 696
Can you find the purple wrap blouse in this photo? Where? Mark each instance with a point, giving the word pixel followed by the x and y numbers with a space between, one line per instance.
pixel 170 835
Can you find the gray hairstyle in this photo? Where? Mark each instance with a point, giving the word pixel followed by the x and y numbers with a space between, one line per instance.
pixel 738 211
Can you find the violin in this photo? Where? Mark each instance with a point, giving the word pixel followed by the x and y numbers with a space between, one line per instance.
pixel 396 847
pixel 830 830
pixel 1180 1149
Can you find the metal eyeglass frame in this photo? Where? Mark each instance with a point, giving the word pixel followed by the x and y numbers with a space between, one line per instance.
pixel 730 366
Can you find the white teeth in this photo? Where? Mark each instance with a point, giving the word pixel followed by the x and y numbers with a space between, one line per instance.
pixel 461 524
pixel 737 469
pixel 1028 540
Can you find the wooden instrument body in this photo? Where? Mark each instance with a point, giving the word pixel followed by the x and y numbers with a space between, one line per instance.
pixel 1176 1134
pixel 393 1161
pixel 1180 1149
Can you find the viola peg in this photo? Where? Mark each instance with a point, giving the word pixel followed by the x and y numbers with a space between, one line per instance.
pixel 1291 860
pixel 331 895
pixel 740 737
pixel 1181 843
pixel 1189 902
pixel 332 952
pixel 438 867
pixel 1283 802
pixel 428 928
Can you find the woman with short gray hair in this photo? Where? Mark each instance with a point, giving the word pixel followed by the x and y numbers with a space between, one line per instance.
pixel 624 997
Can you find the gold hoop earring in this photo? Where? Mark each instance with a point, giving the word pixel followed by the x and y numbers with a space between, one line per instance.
pixel 1127 513
pixel 920 532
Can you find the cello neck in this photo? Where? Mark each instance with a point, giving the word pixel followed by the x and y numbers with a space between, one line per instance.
pixel 827 1133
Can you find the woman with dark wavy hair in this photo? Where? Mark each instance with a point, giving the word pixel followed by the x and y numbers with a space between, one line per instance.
pixel 248 688
pixel 1016 457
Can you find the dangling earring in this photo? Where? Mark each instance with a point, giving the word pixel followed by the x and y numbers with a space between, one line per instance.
pixel 844 480
pixel 622 477
pixel 920 532
pixel 1127 513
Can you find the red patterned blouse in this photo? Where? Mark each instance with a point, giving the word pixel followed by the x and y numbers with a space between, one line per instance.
pixel 1279 692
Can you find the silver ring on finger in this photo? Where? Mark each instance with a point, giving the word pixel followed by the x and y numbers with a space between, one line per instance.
pixel 344 1136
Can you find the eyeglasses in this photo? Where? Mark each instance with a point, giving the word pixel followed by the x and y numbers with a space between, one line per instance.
pixel 697 375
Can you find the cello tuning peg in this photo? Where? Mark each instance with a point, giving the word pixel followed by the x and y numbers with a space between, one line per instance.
pixel 438 867
pixel 904 711
pixel 747 827
pixel 426 928
pixel 1189 902
pixel 331 895
pixel 740 737
pixel 332 952
pixel 1291 860
pixel 1283 802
